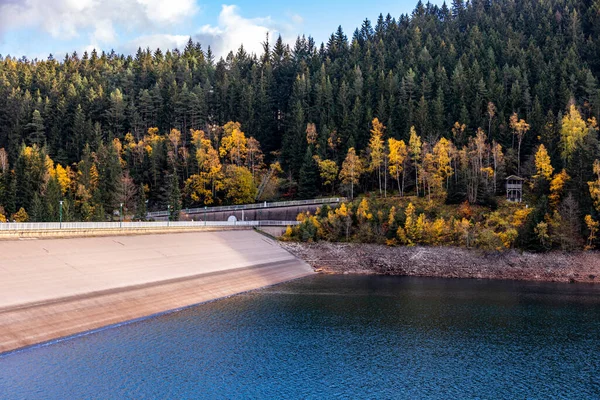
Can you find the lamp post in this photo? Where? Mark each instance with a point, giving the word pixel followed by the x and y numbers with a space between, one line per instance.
pixel 60 214
pixel 121 215
pixel 205 208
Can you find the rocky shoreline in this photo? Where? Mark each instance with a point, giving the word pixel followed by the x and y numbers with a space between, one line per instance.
pixel 448 262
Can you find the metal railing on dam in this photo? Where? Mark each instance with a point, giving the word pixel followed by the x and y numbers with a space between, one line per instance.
pixel 255 206
pixel 41 226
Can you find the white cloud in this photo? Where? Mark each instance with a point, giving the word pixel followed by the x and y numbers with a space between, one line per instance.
pixel 234 30
pixel 99 23
pixel 104 32
pixel 67 19
pixel 170 12
pixel 297 19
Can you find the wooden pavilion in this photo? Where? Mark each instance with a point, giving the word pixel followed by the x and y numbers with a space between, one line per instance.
pixel 514 188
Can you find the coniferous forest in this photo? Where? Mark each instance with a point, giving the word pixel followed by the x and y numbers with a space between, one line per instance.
pixel 434 109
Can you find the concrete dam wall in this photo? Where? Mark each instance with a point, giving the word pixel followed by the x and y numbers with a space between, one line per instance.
pixel 54 288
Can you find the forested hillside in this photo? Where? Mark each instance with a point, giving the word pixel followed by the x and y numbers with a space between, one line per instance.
pixel 443 103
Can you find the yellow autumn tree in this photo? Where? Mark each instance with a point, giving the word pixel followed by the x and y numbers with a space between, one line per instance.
pixel 50 169
pixel 442 158
pixel 352 169
pixel 543 166
pixel 197 189
pixel 557 185
pixel 436 232
pixel 572 132
pixel 595 185
pixel 287 235
pixel 231 126
pixel 593 228
pixel 397 158
pixel 239 185
pixel 414 227
pixel 202 187
pixel 63 175
pixel 197 137
pixel 414 146
pixel 328 171
pixel 392 216
pixel 428 172
pixel 543 234
pixel 254 157
pixel 94 177
pixel 20 216
pixel 498 160
pixel 376 150
pixel 173 152
pixel 520 128
pixel 362 212
pixel 343 215
pixel 175 139
pixel 130 143
pixel 234 146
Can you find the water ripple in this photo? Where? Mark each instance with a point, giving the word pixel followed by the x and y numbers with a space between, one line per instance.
pixel 337 337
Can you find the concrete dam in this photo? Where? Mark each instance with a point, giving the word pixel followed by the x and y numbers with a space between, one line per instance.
pixel 54 288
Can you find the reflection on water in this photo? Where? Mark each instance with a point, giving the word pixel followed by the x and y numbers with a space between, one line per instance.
pixel 337 336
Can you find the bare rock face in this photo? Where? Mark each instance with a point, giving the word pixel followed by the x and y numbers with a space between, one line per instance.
pixel 448 262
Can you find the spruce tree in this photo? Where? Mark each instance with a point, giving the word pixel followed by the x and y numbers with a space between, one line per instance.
pixel 309 177
pixel 141 209
pixel 36 129
pixel 174 198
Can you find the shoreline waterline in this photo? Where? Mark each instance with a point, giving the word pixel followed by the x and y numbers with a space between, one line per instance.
pixel 134 320
pixel 53 289
pixel 448 262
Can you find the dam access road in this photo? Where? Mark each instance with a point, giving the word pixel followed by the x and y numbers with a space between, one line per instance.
pixel 53 288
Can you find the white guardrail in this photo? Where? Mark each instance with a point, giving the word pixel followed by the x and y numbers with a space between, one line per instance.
pixel 40 226
pixel 255 206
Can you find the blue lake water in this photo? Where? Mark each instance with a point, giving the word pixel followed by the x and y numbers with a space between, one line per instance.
pixel 336 337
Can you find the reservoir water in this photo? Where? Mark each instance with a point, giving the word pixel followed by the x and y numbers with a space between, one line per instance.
pixel 336 337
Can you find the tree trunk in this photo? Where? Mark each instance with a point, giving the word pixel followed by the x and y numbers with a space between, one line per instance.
pixel 379 175
pixel 417 178
pixel 519 158
pixel 385 178
pixel 402 183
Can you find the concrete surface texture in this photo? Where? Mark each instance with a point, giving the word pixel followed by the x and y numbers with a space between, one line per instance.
pixel 68 233
pixel 58 287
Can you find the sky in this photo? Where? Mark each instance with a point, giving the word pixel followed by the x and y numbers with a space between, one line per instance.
pixel 37 28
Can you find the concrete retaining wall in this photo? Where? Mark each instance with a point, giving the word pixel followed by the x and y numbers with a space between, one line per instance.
pixel 59 287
